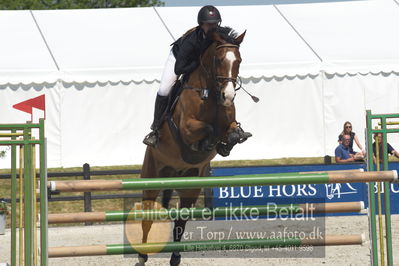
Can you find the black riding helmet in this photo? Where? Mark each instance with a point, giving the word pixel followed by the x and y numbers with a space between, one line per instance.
pixel 209 14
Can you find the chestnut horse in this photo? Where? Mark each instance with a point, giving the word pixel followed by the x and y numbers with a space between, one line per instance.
pixel 201 124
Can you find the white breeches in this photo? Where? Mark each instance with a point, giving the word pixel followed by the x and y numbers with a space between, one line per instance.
pixel 168 76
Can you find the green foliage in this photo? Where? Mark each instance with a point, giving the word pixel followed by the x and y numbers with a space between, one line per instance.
pixel 74 4
pixel 2 154
pixel 4 209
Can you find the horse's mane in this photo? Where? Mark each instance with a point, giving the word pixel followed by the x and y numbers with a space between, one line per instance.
pixel 227 34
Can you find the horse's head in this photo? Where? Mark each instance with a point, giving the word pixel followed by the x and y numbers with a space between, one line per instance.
pixel 226 64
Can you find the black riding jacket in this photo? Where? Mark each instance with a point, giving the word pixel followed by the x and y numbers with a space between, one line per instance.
pixel 187 50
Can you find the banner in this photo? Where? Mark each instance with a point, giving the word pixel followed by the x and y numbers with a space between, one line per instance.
pixel 286 194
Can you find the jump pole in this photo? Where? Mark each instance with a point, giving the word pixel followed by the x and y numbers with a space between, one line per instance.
pixel 223 181
pixel 172 214
pixel 194 246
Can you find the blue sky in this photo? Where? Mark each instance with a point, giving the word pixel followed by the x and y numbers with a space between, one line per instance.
pixel 241 2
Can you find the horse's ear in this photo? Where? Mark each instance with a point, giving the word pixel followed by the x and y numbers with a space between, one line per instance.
pixel 240 38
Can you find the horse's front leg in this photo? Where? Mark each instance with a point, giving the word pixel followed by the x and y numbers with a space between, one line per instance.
pixel 235 134
pixel 198 134
pixel 149 197
pixel 188 197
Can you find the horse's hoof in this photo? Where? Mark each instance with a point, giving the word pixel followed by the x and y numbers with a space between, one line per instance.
pixel 244 136
pixel 142 259
pixel 194 146
pixel 207 145
pixel 234 137
pixel 223 150
pixel 175 260
pixel 210 147
pixel 152 139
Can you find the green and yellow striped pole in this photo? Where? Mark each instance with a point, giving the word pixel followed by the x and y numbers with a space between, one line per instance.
pixel 221 181
pixel 13 202
pixel 371 195
pixel 387 195
pixel 21 203
pixel 196 246
pixel 379 203
pixel 43 195
pixel 28 192
pixel 205 213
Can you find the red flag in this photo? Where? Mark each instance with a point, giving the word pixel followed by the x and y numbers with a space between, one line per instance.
pixel 37 102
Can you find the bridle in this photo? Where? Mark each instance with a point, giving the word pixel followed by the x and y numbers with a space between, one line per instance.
pixel 223 78
pixel 218 79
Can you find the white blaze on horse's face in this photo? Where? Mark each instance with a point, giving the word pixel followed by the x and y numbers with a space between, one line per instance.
pixel 230 63
pixel 229 91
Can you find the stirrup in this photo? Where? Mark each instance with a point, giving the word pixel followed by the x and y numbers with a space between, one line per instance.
pixel 152 138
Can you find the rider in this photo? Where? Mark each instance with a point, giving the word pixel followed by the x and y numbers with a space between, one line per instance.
pixel 183 59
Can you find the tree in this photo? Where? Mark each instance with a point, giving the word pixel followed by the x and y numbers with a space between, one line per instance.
pixel 74 4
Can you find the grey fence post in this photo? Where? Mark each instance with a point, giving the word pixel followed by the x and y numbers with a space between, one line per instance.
pixel 87 195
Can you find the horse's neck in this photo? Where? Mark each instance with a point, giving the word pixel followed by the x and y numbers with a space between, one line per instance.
pixel 197 79
pixel 201 77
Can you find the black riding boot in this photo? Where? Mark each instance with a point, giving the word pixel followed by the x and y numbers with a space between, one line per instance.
pixel 160 106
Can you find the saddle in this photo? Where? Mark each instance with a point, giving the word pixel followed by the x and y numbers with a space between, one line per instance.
pixel 177 90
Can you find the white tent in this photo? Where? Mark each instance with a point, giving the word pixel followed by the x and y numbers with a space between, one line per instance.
pixel 314 66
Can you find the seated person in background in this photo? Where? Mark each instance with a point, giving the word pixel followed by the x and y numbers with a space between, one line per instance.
pixel 390 149
pixel 348 131
pixel 342 152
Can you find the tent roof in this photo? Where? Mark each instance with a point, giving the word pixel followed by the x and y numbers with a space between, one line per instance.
pixel 106 44
pixel 132 44
pixel 24 56
pixel 357 36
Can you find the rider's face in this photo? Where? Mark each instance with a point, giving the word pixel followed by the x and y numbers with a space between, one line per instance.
pixel 208 26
